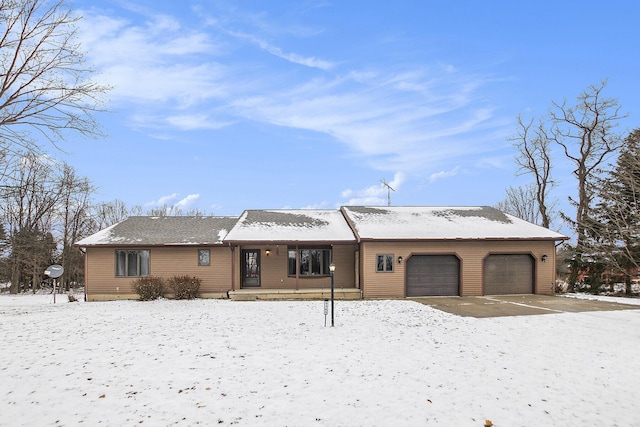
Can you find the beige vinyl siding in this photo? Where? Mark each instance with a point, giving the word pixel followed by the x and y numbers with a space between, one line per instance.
pixel 471 255
pixel 216 277
pixel 344 259
pixel 274 269
pixel 100 275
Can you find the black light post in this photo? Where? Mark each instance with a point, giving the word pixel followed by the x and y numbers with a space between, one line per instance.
pixel 332 268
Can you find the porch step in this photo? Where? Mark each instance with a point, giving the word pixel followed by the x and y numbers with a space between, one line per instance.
pixel 292 294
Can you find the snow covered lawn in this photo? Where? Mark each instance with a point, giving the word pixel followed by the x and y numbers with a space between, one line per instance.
pixel 386 363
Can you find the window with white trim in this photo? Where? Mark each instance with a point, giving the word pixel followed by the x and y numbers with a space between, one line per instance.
pixel 204 257
pixel 384 263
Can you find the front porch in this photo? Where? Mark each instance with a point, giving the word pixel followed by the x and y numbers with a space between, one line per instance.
pixel 293 294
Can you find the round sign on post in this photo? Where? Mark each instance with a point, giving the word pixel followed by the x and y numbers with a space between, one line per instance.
pixel 54 271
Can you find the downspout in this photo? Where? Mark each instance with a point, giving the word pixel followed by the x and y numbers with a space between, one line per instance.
pixel 233 267
pixel 85 273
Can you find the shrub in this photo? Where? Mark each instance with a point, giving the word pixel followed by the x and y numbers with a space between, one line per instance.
pixel 184 287
pixel 149 288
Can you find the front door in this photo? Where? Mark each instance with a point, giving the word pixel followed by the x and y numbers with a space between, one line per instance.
pixel 250 268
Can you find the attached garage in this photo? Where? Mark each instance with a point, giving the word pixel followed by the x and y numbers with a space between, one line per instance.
pixel 508 274
pixel 433 275
pixel 451 251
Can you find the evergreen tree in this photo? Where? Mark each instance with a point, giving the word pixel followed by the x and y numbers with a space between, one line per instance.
pixel 615 229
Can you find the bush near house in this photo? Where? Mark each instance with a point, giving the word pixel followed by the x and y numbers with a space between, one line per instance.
pixel 149 288
pixel 184 287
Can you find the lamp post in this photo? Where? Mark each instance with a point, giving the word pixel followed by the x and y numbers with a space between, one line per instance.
pixel 332 268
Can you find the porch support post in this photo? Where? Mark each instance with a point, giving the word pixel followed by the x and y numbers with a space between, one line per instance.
pixel 233 268
pixel 297 266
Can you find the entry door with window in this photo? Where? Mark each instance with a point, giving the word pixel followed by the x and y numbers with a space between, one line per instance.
pixel 251 268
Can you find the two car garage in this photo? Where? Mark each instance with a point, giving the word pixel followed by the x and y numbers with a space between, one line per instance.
pixel 439 275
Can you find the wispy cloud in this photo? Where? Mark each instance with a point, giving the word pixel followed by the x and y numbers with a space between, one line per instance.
pixel 394 128
pixel 196 121
pixel 373 195
pixel 394 117
pixel 187 201
pixel 173 201
pixel 157 65
pixel 444 174
pixel 288 56
pixel 163 200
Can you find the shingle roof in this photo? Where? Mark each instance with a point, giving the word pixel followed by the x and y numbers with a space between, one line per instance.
pixel 308 225
pixel 167 231
pixel 441 223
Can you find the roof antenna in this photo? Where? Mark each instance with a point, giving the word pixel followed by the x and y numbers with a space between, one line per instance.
pixel 389 190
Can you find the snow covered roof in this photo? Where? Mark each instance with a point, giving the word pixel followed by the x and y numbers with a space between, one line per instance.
pixel 304 225
pixel 166 230
pixel 323 225
pixel 438 223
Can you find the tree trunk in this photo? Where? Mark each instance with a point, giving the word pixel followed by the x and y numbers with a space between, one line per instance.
pixel 15 277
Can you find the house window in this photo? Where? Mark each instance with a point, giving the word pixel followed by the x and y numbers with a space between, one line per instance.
pixel 384 263
pixel 204 257
pixel 313 262
pixel 132 263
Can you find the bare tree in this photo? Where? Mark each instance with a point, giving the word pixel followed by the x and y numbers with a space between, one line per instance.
pixel 46 91
pixel 45 86
pixel 586 133
pixel 521 202
pixel 534 157
pixel 47 211
pixel 174 210
pixel 29 213
pixel 75 221
pixel 108 213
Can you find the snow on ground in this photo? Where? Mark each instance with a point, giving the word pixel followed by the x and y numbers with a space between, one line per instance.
pixel 631 301
pixel 220 362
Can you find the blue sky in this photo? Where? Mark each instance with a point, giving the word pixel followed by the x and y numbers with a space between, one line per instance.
pixel 232 105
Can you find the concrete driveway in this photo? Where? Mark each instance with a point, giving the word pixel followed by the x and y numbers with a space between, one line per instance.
pixel 518 305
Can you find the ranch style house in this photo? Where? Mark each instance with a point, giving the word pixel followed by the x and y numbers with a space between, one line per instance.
pixel 378 252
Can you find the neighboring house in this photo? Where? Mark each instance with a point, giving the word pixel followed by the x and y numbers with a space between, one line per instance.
pixel 378 252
